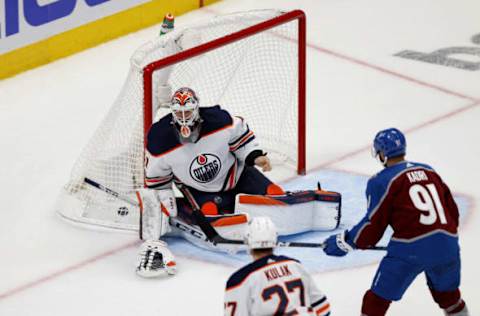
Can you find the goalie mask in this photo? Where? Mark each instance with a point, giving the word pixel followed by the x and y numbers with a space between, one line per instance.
pixel 185 111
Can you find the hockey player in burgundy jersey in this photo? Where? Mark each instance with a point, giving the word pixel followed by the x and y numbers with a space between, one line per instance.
pixel 413 200
pixel 271 284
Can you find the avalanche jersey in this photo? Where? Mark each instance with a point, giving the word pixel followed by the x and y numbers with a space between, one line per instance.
pixel 212 164
pixel 274 285
pixel 418 205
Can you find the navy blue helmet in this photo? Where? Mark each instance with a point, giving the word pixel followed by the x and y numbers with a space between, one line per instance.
pixel 391 142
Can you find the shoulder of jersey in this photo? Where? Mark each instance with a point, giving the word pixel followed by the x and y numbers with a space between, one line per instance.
pixel 242 274
pixel 162 136
pixel 387 174
pixel 214 119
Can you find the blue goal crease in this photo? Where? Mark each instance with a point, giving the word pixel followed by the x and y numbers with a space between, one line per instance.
pixel 352 187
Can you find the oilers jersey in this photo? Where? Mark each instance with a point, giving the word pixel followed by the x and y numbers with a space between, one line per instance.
pixel 274 285
pixel 412 199
pixel 213 163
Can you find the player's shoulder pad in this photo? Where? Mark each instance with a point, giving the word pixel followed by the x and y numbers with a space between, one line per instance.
pixel 419 164
pixel 242 274
pixel 389 174
pixel 214 118
pixel 162 136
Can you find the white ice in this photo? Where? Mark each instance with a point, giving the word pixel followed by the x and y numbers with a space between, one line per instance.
pixel 356 86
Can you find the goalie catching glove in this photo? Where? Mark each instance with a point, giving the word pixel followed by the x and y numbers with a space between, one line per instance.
pixel 155 259
pixel 156 207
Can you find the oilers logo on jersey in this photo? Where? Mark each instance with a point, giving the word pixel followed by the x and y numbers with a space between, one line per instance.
pixel 211 164
pixel 205 167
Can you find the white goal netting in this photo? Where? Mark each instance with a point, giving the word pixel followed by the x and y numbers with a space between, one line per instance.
pixel 256 77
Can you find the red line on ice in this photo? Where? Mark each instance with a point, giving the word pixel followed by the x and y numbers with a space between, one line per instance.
pixel 372 66
pixel 406 131
pixel 61 272
pixel 390 72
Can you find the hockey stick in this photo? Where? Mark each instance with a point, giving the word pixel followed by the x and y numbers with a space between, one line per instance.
pixel 202 221
pixel 208 233
pixel 215 237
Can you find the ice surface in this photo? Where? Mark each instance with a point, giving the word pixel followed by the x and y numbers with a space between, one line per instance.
pixel 355 86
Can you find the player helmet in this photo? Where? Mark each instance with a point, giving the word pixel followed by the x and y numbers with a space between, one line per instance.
pixel 391 142
pixel 184 107
pixel 261 233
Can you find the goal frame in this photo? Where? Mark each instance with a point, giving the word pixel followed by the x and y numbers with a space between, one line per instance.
pixel 223 41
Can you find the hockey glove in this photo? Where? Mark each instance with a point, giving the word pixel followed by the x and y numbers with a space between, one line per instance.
pixel 155 259
pixel 337 245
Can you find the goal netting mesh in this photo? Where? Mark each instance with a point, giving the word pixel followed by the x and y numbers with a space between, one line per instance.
pixel 255 77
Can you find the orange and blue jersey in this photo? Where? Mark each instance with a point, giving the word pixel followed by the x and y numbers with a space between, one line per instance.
pixel 213 163
pixel 274 285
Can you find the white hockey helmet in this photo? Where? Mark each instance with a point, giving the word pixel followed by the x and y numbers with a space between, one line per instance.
pixel 261 233
pixel 184 107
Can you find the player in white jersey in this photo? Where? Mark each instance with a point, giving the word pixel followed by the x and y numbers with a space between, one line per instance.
pixel 271 284
pixel 210 154
pixel 207 150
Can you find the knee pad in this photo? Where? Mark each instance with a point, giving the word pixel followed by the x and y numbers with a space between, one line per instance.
pixel 274 189
pixel 209 208
pixel 374 305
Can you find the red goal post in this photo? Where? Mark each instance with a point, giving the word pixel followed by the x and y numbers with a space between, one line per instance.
pixel 226 40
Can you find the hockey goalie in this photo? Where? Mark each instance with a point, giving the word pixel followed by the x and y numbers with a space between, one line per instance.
pixel 214 159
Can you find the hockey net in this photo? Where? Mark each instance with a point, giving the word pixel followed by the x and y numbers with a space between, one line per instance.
pixel 251 63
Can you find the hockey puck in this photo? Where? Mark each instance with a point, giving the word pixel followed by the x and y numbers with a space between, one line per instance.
pixel 122 211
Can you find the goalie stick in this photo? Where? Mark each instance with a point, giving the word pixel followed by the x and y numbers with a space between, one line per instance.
pixel 208 232
pixel 215 238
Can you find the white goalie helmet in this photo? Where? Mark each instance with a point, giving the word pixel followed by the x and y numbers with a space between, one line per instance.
pixel 261 233
pixel 185 110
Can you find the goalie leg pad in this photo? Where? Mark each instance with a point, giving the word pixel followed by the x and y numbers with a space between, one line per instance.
pixel 295 212
pixel 155 259
pixel 156 207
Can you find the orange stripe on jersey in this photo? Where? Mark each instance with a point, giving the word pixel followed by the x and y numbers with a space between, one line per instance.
pixel 159 179
pixel 246 277
pixel 231 180
pixel 242 141
pixel 217 130
pixel 166 152
pixel 259 199
pixel 231 220
pixel 323 309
